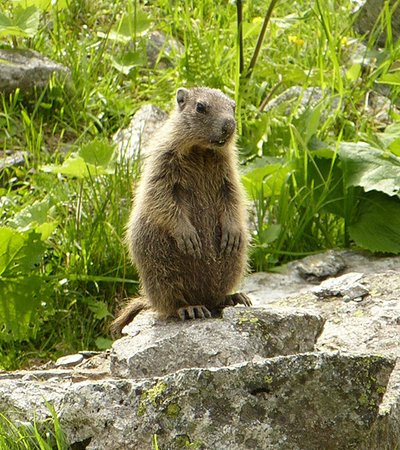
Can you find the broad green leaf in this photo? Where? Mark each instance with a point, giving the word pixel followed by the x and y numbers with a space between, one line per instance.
pixel 134 24
pixel 19 252
pixel 377 227
pixel 46 229
pixel 93 159
pixel 394 147
pixel 271 234
pixel 128 61
pixel 354 72
pixel 325 153
pixel 5 21
pixel 370 168
pixel 391 134
pixel 97 153
pixel 269 178
pixel 31 216
pixel 99 308
pixel 12 31
pixel 43 5
pixel 129 27
pixel 307 124
pixel 11 242
pixel 103 343
pixel 323 179
pixel 21 290
pixel 20 301
pixel 250 29
pixel 294 74
pixel 392 78
pixel 24 22
pixel 27 20
pixel 75 166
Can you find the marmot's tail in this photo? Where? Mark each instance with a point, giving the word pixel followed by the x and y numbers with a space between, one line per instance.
pixel 128 313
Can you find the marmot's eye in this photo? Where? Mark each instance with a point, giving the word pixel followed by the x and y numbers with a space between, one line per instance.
pixel 200 107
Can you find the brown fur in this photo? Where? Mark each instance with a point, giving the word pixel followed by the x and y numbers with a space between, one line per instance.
pixel 187 231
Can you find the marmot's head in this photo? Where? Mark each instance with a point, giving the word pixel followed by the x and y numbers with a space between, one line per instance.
pixel 206 116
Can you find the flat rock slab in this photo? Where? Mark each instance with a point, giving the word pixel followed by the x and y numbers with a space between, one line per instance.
pixel 369 324
pixel 156 347
pixel 302 276
pixel 26 70
pixel 305 401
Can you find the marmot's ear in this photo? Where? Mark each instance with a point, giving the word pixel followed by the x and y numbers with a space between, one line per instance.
pixel 181 97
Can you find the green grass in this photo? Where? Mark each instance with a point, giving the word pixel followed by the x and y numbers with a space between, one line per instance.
pixel 38 435
pixel 295 178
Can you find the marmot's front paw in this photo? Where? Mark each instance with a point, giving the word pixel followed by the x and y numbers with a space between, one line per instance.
pixel 188 241
pixel 193 312
pixel 231 240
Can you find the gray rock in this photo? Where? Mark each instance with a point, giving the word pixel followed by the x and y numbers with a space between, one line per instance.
pixel 12 159
pixel 133 141
pixel 380 107
pixel 69 360
pixel 155 347
pixel 162 51
pixel 346 286
pixel 306 401
pixel 368 15
pixel 26 70
pixel 321 266
pixel 217 384
pixel 297 99
pixel 368 326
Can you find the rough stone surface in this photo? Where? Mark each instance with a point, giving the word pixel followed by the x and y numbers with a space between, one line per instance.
pixel 305 401
pixel 134 140
pixel 162 51
pixel 27 69
pixel 12 159
pixel 158 347
pixel 69 360
pixel 297 99
pixel 368 15
pixel 252 379
pixel 372 325
pixel 345 286
pixel 315 268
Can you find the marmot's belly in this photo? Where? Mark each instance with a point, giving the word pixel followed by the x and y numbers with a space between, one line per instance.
pixel 157 257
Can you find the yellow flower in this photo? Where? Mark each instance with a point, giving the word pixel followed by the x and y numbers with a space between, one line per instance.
pixel 344 42
pixel 296 40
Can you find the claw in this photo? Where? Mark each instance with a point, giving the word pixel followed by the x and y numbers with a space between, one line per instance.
pixel 189 243
pixel 230 242
pixel 193 312
pixel 238 299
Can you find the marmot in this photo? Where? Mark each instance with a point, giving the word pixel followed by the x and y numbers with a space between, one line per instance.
pixel 187 233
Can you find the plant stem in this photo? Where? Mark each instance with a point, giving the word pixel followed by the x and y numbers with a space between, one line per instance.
pixel 239 15
pixel 267 99
pixel 261 37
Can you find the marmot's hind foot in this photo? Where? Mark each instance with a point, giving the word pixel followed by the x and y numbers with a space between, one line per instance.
pixel 237 299
pixel 193 312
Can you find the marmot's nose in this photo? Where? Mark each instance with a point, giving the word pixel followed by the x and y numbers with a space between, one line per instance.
pixel 228 126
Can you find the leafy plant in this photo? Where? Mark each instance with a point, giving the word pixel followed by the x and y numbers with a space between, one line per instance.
pixel 24 22
pixel 376 220
pixel 31 279
pixel 46 435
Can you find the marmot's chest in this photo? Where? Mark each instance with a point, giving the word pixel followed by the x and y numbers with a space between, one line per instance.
pixel 203 175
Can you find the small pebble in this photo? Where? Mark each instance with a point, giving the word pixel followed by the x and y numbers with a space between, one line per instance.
pixel 69 360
